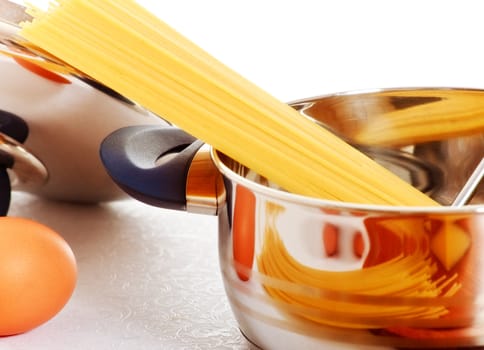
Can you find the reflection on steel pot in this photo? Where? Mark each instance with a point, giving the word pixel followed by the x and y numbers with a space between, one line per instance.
pixel 309 273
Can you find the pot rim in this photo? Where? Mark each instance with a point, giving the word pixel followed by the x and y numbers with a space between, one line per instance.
pixel 369 91
pixel 331 204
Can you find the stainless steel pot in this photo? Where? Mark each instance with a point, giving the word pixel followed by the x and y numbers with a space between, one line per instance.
pixel 53 140
pixel 52 122
pixel 308 273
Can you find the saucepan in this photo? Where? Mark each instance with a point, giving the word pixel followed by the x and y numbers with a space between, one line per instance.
pixel 52 121
pixel 311 273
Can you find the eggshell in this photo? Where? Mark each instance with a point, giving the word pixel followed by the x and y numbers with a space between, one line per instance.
pixel 38 274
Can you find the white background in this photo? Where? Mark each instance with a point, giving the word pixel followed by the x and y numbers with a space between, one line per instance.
pixel 149 277
pixel 301 48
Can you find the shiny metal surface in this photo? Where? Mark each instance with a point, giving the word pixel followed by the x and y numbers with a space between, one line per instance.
pixel 300 270
pixel 444 243
pixel 454 154
pixel 205 191
pixel 361 116
pixel 470 186
pixel 27 171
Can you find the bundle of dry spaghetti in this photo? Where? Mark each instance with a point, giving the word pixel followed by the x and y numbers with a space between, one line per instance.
pixel 128 49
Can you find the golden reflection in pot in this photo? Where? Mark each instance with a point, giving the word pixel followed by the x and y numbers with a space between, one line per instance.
pixel 412 275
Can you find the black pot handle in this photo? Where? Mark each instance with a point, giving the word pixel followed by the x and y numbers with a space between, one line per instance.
pixel 16 128
pixel 150 163
pixel 5 191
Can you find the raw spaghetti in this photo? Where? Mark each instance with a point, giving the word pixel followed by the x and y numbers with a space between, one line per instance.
pixel 125 47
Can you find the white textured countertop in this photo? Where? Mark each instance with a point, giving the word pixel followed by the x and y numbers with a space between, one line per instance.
pixel 148 277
